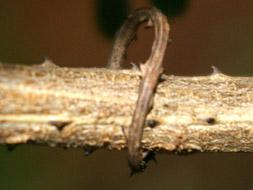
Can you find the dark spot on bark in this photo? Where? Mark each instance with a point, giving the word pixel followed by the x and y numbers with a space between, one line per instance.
pixel 60 124
pixel 211 120
pixel 152 123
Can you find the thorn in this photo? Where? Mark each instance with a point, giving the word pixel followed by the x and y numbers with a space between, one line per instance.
pixel 162 78
pixel 134 67
pixel 59 124
pixel 215 70
pixel 149 156
pixel 88 150
pixel 47 63
pixel 149 24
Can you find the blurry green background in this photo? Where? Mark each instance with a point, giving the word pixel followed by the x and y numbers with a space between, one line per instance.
pixel 79 34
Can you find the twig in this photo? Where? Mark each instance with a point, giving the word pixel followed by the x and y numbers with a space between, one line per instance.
pixel 88 107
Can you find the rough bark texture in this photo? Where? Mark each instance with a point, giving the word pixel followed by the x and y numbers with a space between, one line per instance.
pixel 76 107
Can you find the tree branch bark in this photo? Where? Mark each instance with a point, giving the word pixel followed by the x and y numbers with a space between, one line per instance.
pixel 75 107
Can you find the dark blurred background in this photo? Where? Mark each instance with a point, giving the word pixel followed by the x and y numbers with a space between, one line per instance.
pixel 80 34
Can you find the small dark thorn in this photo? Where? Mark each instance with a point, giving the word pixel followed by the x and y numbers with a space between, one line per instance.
pixel 151 123
pixel 11 147
pixel 211 120
pixel 88 150
pixel 59 124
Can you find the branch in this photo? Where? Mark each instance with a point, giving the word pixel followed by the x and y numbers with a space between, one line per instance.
pixel 75 107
